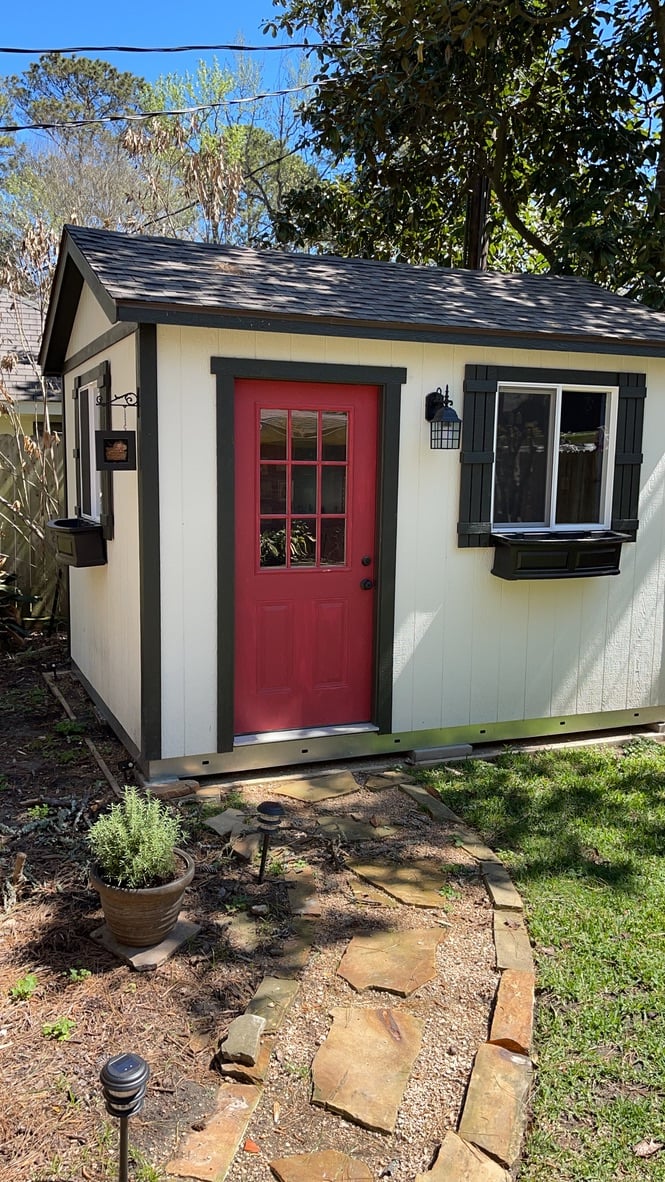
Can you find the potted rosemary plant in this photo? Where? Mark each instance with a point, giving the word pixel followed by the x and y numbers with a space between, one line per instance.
pixel 139 872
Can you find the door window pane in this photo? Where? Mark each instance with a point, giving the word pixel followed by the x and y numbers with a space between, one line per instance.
pixel 303 543
pixel 303 489
pixel 333 435
pixel 273 542
pixel 273 434
pixel 333 490
pixel 303 434
pixel 522 456
pixel 273 488
pixel 333 542
pixel 581 457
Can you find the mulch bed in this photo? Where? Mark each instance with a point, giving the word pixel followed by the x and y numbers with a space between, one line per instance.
pixel 52 1119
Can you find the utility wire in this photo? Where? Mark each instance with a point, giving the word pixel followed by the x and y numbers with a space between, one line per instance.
pixel 181 48
pixel 141 116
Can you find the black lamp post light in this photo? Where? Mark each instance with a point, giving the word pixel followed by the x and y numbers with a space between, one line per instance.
pixel 124 1079
pixel 269 815
pixel 445 426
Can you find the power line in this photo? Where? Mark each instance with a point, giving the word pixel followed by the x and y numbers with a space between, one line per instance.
pixel 179 48
pixel 141 116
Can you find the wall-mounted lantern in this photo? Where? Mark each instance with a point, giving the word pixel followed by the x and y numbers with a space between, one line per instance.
pixel 444 424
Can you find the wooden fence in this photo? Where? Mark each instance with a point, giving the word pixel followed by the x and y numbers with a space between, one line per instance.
pixel 29 557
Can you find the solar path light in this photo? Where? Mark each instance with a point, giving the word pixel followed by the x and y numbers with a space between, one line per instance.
pixel 124 1079
pixel 269 815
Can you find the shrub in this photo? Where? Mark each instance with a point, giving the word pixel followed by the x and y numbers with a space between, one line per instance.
pixel 133 844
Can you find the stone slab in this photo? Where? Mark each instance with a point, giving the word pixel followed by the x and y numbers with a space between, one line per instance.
pixel 399 962
pixel 171 789
pixel 512 1022
pixel 378 783
pixel 436 808
pixel 511 941
pixel 319 787
pixel 327 1166
pixel 241 931
pixel 243 1039
pixel 246 845
pixel 145 960
pixel 246 1072
pixel 470 841
pixel 302 897
pixel 207 1154
pixel 500 886
pixel 494 1114
pixel 364 893
pixel 417 882
pixel 295 950
pixel 272 1000
pixel 396 776
pixel 459 1162
pixel 362 1068
pixel 230 822
pixel 349 830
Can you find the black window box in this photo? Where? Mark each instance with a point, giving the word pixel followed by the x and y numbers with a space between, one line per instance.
pixel 557 555
pixel 78 542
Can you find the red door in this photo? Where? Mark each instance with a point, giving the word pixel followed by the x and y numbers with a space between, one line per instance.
pixel 305 535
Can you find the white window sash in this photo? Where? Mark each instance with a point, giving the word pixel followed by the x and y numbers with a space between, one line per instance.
pixel 609 452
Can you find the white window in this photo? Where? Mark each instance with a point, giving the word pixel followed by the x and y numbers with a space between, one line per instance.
pixel 554 455
pixel 91 501
pixel 92 411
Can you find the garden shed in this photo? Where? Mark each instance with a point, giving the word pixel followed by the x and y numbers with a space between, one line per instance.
pixel 272 558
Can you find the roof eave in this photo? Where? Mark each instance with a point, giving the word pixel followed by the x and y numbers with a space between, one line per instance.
pixel 258 321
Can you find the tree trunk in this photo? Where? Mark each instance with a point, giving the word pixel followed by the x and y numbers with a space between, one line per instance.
pixel 476 233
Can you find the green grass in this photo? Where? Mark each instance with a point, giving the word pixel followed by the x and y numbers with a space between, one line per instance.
pixel 582 833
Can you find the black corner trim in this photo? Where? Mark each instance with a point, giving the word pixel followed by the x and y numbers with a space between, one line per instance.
pixel 149 544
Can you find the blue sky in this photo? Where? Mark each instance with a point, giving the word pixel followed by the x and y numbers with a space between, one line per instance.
pixel 54 25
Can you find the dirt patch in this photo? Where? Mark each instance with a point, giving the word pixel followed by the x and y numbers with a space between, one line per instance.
pixel 52 1122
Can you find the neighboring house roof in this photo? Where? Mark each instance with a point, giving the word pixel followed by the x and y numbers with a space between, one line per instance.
pixel 20 336
pixel 164 280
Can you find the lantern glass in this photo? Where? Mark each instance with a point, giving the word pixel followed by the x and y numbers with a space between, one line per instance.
pixel 445 430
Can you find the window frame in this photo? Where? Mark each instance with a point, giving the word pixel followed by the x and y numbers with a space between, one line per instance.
pixel 474 526
pixel 92 411
pixel 550 525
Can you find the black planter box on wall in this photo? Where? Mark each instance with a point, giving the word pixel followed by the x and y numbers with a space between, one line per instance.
pixel 552 555
pixel 78 542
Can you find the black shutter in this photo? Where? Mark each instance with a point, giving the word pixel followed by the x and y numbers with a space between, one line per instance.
pixel 477 456
pixel 105 419
pixel 628 458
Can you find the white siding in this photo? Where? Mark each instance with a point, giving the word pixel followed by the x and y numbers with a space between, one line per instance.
pixel 470 649
pixel 104 600
pixel 89 323
pixel 188 526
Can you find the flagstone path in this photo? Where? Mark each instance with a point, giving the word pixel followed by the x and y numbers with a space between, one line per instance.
pixel 362 1065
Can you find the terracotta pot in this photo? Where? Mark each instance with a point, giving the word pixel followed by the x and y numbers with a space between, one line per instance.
pixel 144 917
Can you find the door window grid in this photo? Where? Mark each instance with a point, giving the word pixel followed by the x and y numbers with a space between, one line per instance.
pixel 303 462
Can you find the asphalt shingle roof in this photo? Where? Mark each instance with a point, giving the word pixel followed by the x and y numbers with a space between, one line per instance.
pixel 162 273
pixel 20 334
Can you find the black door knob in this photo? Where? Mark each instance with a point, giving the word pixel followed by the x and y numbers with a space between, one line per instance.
pixel 366 584
pixel 366 560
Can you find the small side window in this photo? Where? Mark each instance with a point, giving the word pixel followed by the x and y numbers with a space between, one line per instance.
pixel 92 412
